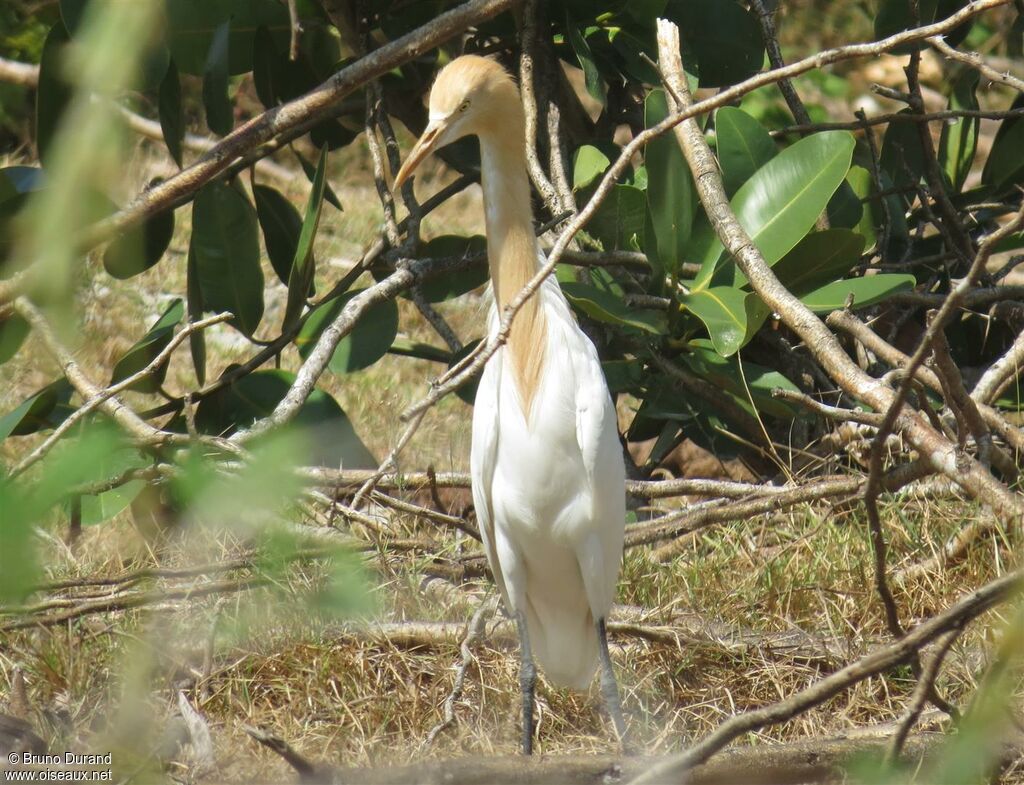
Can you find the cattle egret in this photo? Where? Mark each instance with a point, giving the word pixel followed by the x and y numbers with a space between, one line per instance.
pixel 547 469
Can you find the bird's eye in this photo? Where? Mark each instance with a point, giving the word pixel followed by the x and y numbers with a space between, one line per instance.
pixel 464 107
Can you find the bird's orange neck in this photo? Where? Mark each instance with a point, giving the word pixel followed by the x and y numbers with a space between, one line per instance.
pixel 512 250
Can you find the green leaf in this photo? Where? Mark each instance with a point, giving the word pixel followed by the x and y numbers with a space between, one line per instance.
pixel 142 246
pixel 725 373
pixel 264 63
pixel 281 225
pixel 13 331
pixel 219 111
pixel 43 409
pixel 744 146
pixel 320 420
pixel 895 16
pixel 723 37
pixel 620 221
pixel 443 287
pixel 591 74
pixel 53 92
pixel 588 163
pixel 606 307
pixel 192 24
pixel 304 267
pixel 196 339
pixel 226 248
pixel 310 171
pixel 172 119
pixel 731 315
pixel 818 259
pixel 104 506
pixel 671 194
pixel 1005 165
pixel 779 204
pixel 958 141
pixel 866 291
pixel 147 348
pixel 10 421
pixel 368 341
pixel 902 157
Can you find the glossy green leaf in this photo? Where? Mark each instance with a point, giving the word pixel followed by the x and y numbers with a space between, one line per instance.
pixel 368 341
pixel 866 291
pixel 744 146
pixel 53 92
pixel 172 119
pixel 303 266
pixel 591 74
pixel 588 163
pixel 621 220
pixel 779 204
pixel 723 37
pixel 13 332
pixel 958 141
pixel 731 315
pixel 445 286
pixel 606 307
pixel 895 16
pixel 191 25
pixel 226 249
pixel 142 246
pixel 147 349
pixel 902 157
pixel 281 225
pixel 818 259
pixel 1005 165
pixel 310 171
pixel 219 111
pixel 43 409
pixel 671 194
pixel 196 339
pixel 104 506
pixel 323 423
pixel 849 207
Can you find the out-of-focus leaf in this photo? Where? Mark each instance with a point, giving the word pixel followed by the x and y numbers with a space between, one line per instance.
pixel 902 157
pixel 281 225
pixel 731 315
pixel 588 163
pixel 368 341
pixel 310 171
pixel 142 246
pixel 620 221
pixel 448 285
pixel 591 74
pixel 606 307
pixel 172 120
pixel 321 420
pixel 959 139
pixel 196 339
pixel 104 506
pixel 226 249
pixel 818 259
pixel 1005 165
pixel 191 25
pixel 18 181
pixel 671 195
pixel 779 204
pixel 53 92
pixel 219 112
pixel 866 291
pixel 303 266
pixel 724 37
pixel 147 348
pixel 13 331
pixel 744 146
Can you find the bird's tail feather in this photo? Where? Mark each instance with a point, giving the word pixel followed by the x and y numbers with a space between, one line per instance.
pixel 564 643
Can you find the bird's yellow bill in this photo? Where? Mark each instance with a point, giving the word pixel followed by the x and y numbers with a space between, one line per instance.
pixel 424 146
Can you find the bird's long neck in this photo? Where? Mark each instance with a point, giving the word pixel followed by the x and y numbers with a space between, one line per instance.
pixel 512 248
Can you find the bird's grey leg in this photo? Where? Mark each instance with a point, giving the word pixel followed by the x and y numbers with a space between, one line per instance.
pixel 527 681
pixel 609 687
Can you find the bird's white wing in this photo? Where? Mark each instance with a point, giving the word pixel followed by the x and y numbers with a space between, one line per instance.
pixel 482 460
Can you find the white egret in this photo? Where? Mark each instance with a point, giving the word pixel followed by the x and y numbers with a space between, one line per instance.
pixel 547 468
